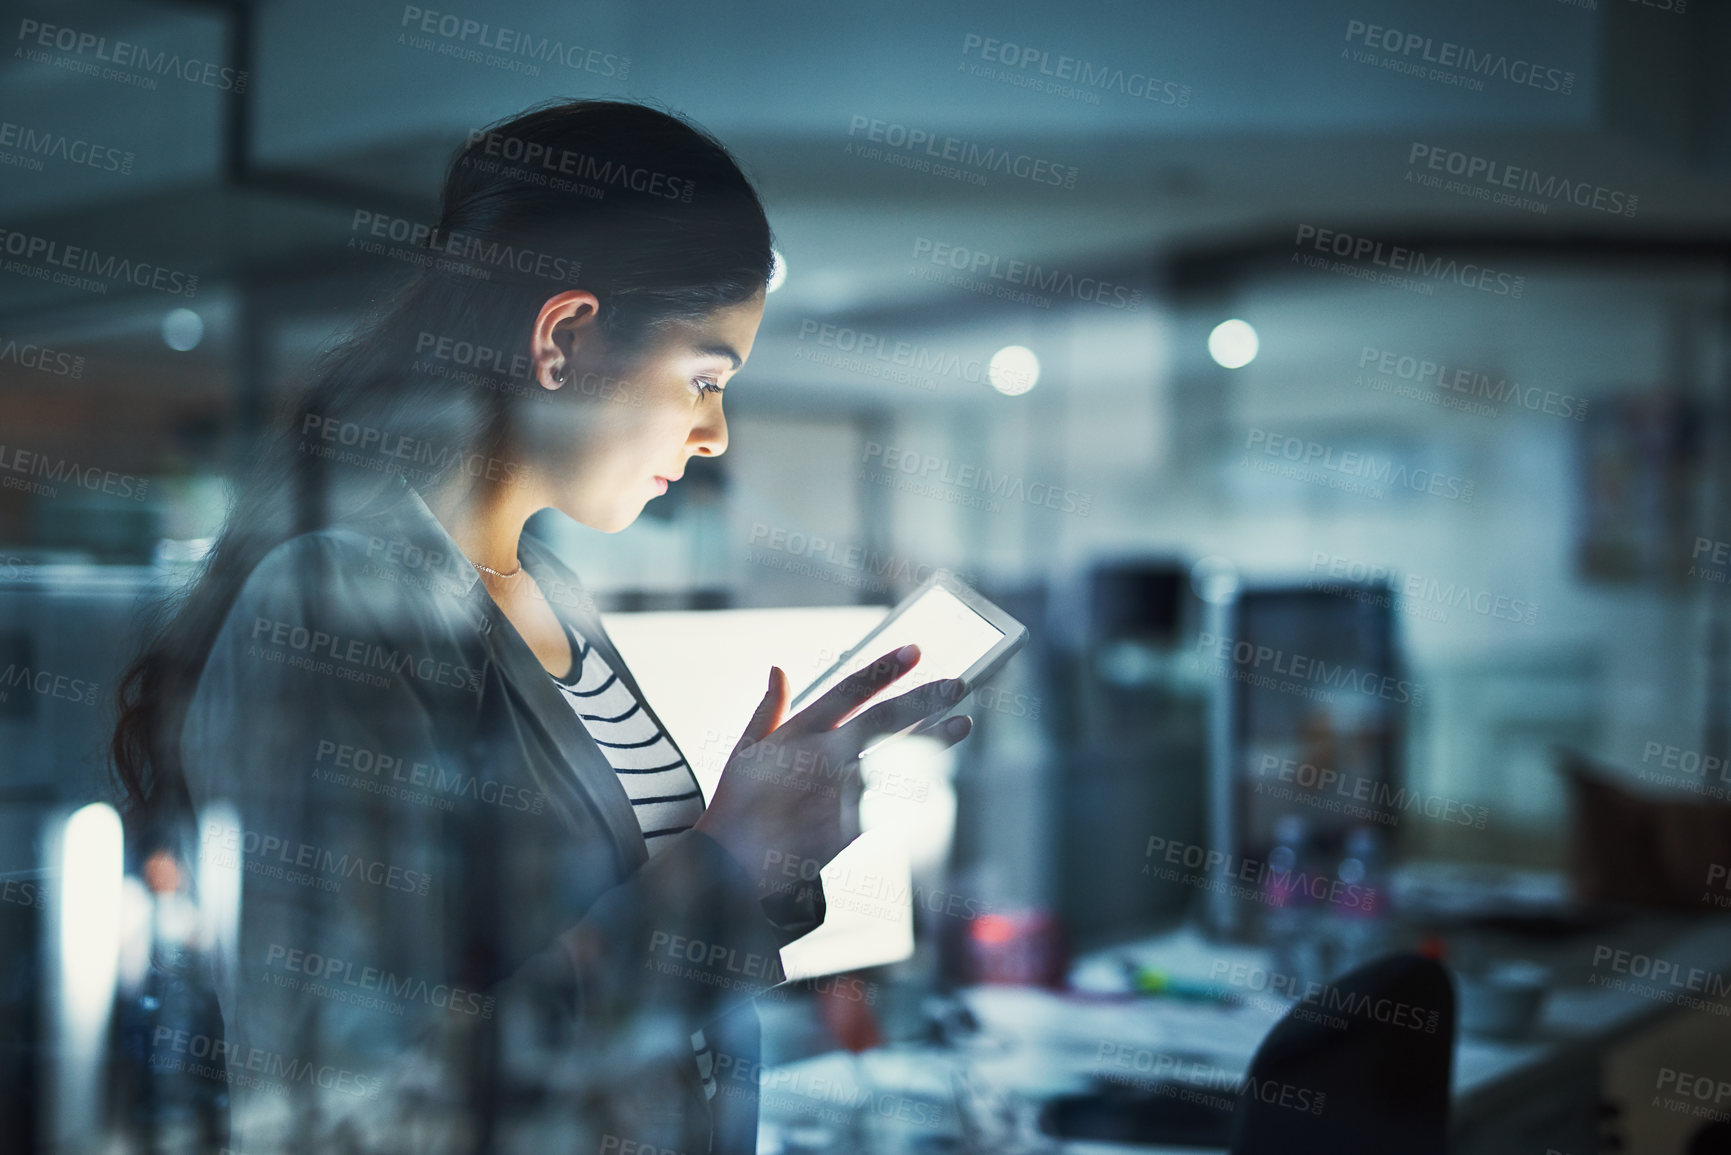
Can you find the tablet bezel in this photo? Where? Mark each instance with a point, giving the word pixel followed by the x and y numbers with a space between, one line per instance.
pixel 984 667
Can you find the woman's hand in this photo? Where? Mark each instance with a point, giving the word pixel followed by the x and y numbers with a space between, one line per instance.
pixel 790 792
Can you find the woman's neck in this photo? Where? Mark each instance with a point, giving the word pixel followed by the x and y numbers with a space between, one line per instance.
pixel 485 521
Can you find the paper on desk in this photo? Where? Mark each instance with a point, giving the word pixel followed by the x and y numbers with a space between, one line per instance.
pixel 1088 1029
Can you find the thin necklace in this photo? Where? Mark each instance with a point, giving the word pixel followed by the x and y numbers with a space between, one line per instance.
pixel 496 573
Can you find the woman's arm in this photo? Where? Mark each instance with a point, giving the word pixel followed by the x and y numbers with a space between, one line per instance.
pixel 414 880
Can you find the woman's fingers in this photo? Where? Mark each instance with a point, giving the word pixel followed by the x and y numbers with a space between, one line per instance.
pixel 768 714
pixel 860 686
pixel 904 710
pixel 952 730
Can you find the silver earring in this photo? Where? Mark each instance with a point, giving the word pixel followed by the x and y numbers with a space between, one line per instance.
pixel 563 373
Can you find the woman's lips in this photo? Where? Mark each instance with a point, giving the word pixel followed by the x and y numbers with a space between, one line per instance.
pixel 660 484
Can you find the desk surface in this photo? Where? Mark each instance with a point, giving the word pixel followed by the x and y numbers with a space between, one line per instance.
pixel 1037 1043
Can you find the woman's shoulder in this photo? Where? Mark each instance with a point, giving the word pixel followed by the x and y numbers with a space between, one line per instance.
pixel 359 579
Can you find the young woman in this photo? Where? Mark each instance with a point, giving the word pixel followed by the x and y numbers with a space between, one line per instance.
pixel 483 903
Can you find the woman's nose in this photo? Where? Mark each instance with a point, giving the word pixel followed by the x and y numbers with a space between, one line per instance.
pixel 709 437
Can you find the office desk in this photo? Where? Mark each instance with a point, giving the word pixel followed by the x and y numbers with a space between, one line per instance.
pixel 1528 1095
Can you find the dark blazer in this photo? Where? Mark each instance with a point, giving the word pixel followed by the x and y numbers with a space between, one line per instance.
pixel 451 936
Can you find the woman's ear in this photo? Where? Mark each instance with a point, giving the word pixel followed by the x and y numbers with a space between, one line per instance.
pixel 566 321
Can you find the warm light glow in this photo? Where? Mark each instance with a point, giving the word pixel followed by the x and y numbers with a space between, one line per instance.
pixel 90 913
pixel 218 880
pixel 1233 344
pixel 85 943
pixel 1013 370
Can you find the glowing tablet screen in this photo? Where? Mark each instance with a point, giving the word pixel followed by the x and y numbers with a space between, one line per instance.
pixel 950 635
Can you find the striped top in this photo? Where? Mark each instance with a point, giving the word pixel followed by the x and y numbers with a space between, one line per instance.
pixel 663 790
pixel 664 793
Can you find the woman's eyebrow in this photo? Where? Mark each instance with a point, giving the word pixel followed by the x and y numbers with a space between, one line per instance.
pixel 718 349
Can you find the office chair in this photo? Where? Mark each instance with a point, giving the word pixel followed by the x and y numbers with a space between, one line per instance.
pixel 1362 1068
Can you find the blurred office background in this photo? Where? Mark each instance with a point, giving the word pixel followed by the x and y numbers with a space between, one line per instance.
pixel 1540 572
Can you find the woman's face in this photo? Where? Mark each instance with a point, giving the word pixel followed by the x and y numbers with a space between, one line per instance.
pixel 643 420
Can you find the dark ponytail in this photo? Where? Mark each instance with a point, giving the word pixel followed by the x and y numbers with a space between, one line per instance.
pixel 635 205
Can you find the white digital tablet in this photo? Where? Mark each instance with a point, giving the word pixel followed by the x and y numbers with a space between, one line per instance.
pixel 960 635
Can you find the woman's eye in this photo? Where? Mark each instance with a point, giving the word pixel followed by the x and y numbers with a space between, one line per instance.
pixel 705 385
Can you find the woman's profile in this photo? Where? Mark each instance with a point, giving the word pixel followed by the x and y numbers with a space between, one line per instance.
pixel 484 904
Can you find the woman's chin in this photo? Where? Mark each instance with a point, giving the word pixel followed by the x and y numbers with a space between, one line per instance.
pixel 611 521
pixel 622 519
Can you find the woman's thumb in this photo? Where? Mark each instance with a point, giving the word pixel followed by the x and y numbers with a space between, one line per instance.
pixel 768 715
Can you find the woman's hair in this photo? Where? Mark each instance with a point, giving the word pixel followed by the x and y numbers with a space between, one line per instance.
pixel 635 205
